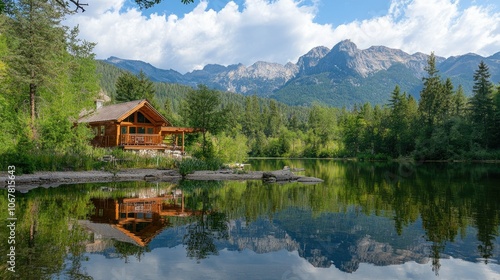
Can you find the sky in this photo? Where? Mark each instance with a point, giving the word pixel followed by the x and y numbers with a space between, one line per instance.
pixel 181 37
pixel 171 263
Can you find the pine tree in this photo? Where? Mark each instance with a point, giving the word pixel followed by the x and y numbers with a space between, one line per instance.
pixel 459 103
pixel 481 105
pixel 397 104
pixel 145 87
pixel 496 124
pixel 273 123
pixel 430 101
pixel 251 122
pixel 130 87
pixel 37 40
pixel 446 98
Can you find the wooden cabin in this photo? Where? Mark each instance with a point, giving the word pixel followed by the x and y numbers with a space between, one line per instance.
pixel 133 125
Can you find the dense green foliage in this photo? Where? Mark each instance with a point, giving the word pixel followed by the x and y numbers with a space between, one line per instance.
pixel 202 109
pixel 450 210
pixel 130 87
pixel 45 85
pixel 441 124
pixel 190 165
pixel 334 90
pixel 47 77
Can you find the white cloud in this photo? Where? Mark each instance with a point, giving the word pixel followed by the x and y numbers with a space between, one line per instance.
pixel 281 31
pixel 441 26
pixel 171 263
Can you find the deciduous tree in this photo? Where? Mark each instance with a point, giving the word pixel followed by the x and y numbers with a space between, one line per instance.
pixel 203 110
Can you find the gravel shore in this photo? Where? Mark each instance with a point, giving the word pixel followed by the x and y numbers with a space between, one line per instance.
pixel 27 182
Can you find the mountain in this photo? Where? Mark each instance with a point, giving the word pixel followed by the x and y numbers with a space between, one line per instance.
pixel 311 59
pixel 341 76
pixel 261 78
pixel 153 73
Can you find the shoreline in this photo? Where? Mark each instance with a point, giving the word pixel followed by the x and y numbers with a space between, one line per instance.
pixel 46 179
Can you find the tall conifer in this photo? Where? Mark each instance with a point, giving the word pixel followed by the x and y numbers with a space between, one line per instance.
pixel 37 42
pixel 481 104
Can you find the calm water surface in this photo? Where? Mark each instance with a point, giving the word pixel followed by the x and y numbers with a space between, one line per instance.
pixel 366 221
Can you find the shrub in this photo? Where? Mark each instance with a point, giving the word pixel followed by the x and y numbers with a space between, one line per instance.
pixel 190 165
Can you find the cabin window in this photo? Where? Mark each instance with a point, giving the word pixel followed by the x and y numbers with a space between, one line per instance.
pixel 132 130
pixel 101 212
pixel 124 130
pixel 96 130
pixel 150 130
pixel 141 118
pixel 103 128
pixel 141 130
pixel 130 118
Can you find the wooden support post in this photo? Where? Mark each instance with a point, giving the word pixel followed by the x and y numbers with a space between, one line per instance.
pixel 182 202
pixel 117 210
pixel 182 151
pixel 118 134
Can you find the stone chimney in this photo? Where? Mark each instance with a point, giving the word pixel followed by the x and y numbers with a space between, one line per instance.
pixel 98 104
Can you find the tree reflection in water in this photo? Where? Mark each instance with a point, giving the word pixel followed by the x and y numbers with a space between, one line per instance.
pixel 201 236
pixel 356 216
pixel 209 227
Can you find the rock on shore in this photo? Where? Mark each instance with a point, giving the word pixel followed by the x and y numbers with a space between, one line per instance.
pixel 278 176
pixel 286 175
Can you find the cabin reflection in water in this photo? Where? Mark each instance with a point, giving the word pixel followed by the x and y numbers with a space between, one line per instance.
pixel 134 220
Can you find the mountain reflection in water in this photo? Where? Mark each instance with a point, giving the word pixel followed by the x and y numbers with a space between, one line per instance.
pixel 367 220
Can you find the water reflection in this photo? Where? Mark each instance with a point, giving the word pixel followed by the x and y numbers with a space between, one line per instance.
pixel 363 220
pixel 138 218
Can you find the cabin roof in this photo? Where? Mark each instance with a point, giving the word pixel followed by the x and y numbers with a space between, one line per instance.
pixel 109 231
pixel 118 112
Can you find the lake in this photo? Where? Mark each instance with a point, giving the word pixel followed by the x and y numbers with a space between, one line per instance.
pixel 366 221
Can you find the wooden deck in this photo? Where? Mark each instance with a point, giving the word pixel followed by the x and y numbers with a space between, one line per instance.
pixel 141 139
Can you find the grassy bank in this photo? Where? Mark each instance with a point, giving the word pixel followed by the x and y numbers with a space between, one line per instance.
pixel 94 159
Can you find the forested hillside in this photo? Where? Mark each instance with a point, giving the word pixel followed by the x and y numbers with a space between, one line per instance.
pixel 170 96
pixel 48 76
pixel 342 76
pixel 439 123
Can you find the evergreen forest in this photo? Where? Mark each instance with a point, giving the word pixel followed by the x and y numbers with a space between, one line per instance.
pixel 48 76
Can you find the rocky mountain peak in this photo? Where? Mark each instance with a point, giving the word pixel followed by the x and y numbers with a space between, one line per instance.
pixel 311 59
pixel 114 59
pixel 346 57
pixel 342 75
pixel 346 46
pixel 214 68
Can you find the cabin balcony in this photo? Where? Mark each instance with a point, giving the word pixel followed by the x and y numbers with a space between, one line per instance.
pixel 141 141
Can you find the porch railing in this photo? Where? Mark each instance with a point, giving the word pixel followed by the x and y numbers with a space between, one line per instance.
pixel 141 139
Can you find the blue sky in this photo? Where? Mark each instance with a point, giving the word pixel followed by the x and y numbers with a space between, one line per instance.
pixel 329 12
pixel 186 37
